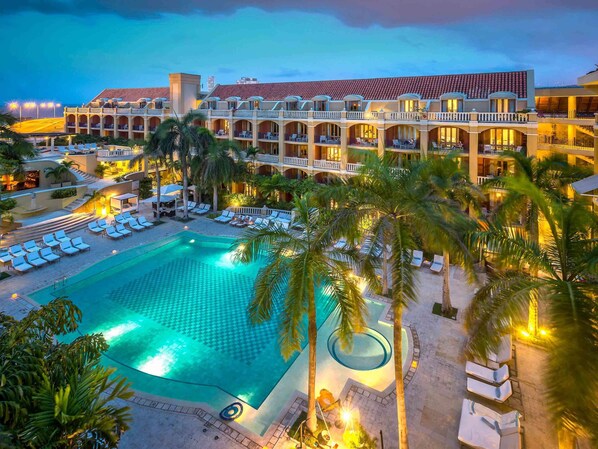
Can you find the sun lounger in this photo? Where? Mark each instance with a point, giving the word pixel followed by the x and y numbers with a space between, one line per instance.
pixel 19 264
pixel 143 222
pixel 120 219
pixel 80 244
pixel 498 394
pixel 417 259
pixel 135 226
pixel 259 223
pixel 5 258
pixel 112 233
pixel 273 215
pixel 68 248
pixel 205 210
pixel 50 241
pixel 62 237
pixel 120 228
pixel 504 351
pixel 93 227
pixel 34 259
pixel 483 428
pixel 102 223
pixel 127 215
pixel 17 251
pixel 31 246
pixel 47 254
pixel 437 264
pixel 190 205
pixel 225 217
pixel 493 376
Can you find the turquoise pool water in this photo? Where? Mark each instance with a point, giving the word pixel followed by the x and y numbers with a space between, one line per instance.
pixel 174 315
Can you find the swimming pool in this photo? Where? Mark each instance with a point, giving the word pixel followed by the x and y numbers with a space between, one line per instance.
pixel 174 315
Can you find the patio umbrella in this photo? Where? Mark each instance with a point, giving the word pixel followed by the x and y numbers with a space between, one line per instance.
pixel 163 199
pixel 169 189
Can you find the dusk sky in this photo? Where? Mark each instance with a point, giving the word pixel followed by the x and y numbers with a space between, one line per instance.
pixel 69 50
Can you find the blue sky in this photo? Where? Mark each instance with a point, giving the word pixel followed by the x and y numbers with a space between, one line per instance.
pixel 69 50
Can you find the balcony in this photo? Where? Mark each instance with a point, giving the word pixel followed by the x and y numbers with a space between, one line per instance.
pixel 400 144
pixel 448 116
pixel 297 161
pixel 327 115
pixel 484 179
pixel 328 140
pixel 497 149
pixel 270 158
pixel 353 167
pixel 295 114
pixel 364 142
pixel 123 127
pixel 138 128
pixel 296 138
pixel 125 154
pixel 243 134
pixel 445 148
pixel 582 145
pixel 327 165
pixel 95 126
pixel 221 134
pixel 268 136
pixel 502 117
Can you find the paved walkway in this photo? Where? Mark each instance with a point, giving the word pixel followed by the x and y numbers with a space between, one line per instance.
pixel 434 394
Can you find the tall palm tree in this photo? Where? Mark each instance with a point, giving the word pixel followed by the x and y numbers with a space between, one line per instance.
pixel 56 172
pixel 297 265
pixel 14 149
pixel 449 181
pixel 561 272
pixel 552 175
pixel 397 208
pixel 219 163
pixel 153 150
pixel 182 137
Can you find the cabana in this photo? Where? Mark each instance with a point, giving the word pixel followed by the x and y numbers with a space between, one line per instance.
pixel 125 202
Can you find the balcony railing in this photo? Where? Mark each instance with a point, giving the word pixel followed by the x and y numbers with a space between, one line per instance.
pixel 273 158
pixel 353 167
pixel 498 149
pixel 244 113
pixel 403 116
pixel 328 115
pixel 328 140
pixel 299 161
pixel 295 114
pixel 364 142
pixel 327 165
pixel 483 179
pixel 401 144
pixel 502 117
pixel 587 142
pixel 217 113
pixel 449 116
pixel 268 136
pixel 124 154
pixel 268 114
pixel 244 134
pixel 299 138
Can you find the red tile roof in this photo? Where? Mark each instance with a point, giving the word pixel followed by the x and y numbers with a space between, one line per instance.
pixel 135 93
pixel 478 85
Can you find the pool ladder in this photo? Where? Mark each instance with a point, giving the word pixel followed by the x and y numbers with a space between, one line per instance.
pixel 59 282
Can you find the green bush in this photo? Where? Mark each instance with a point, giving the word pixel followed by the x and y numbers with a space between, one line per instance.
pixel 63 193
pixel 145 188
pixel 100 170
pixel 358 438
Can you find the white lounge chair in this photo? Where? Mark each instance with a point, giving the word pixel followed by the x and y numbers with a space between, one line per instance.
pixel 68 248
pixel 493 376
pixel 437 264
pixel 417 258
pixel 127 215
pixel 50 256
pixel 135 226
pixel 31 246
pixel 143 222
pixel 120 219
pixel 273 215
pixel 50 241
pixel 5 258
pixel 225 217
pixel 19 264
pixel 112 233
pixel 190 205
pixel 102 223
pixel 504 352
pixel 17 251
pixel 498 394
pixel 120 228
pixel 341 244
pixel 80 244
pixel 62 237
pixel 93 227
pixel 483 428
pixel 34 259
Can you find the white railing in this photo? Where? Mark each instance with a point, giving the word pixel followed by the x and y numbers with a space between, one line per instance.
pixel 95 110
pixel 295 114
pixel 483 179
pixel 71 109
pixel 245 113
pixel 353 167
pixel 138 111
pixel 257 211
pixel 403 116
pixel 122 110
pixel 355 115
pixel 154 111
pixel 449 116
pixel 334 115
pixel 300 161
pixel 268 114
pixel 113 154
pixel 215 113
pixel 502 117
pixel 108 110
pixel 267 157
pixel 327 165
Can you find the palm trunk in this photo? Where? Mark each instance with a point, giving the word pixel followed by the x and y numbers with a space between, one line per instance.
pixel 185 182
pixel 533 320
pixel 215 197
pixel 312 335
pixel 385 271
pixel 566 439
pixel 158 183
pixel 399 384
pixel 446 285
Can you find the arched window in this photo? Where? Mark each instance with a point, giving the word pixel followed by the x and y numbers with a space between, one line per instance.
pixel 452 102
pixel 255 103
pixel 502 102
pixel 409 102
pixel 321 102
pixel 353 102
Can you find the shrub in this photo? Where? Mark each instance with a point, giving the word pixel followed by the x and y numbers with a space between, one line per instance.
pixel 100 170
pixel 145 188
pixel 63 193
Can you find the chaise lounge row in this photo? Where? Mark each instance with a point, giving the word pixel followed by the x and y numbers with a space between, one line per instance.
pixel 119 230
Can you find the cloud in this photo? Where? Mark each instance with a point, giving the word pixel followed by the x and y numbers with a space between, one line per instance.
pixel 290 73
pixel 356 13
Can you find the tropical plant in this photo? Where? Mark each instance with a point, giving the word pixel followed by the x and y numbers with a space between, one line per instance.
pixel 154 150
pixel 63 193
pixel 298 264
pixel 14 149
pixel 56 172
pixel 396 210
pixel 218 163
pixel 553 176
pixel 180 136
pixel 56 394
pixel 449 181
pixel 100 170
pixel 561 273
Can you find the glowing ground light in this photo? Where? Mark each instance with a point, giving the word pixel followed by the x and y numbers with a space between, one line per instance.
pixel 226 260
pixel 192 241
pixel 14 296
pixel 186 227
pixel 116 331
pixel 160 364
pixel 346 416
pixel 114 251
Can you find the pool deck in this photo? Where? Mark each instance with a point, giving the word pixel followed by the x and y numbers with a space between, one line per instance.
pixel 434 393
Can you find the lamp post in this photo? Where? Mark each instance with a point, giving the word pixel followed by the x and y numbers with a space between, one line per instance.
pixel 14 106
pixel 31 105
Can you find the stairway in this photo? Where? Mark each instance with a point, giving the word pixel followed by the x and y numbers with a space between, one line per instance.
pixel 78 202
pixel 587 130
pixel 87 178
pixel 67 223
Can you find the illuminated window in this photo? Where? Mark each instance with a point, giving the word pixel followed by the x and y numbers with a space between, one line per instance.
pixel 408 105
pixel 502 137
pixel 502 105
pixel 448 135
pixel 333 154
pixel 353 105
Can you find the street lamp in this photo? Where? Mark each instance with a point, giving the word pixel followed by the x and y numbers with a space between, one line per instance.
pixel 13 106
pixel 31 105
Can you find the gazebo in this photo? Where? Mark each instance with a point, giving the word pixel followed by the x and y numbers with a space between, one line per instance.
pixel 125 202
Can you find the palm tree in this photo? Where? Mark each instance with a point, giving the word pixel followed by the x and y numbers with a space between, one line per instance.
pixel 449 181
pixel 153 150
pixel 180 136
pixel 14 149
pixel 56 172
pixel 561 273
pixel 552 175
pixel 297 265
pixel 218 164
pixel 398 210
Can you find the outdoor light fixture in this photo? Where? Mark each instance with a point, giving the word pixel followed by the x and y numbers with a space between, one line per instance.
pixel 114 251
pixel 185 227
pixel 14 296
pixel 192 241
pixel 346 415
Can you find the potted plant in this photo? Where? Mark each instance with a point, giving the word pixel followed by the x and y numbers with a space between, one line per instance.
pixel 357 438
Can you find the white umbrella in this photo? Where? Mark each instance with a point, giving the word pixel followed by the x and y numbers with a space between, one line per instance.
pixel 163 199
pixel 169 189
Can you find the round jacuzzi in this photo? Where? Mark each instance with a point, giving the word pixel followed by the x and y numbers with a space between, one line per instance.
pixel 370 350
